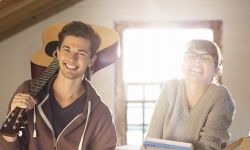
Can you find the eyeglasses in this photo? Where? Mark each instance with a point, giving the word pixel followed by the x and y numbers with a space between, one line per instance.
pixel 205 58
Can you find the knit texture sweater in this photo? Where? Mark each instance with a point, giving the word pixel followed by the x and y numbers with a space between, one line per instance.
pixel 205 125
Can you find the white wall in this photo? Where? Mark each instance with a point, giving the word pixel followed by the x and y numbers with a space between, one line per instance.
pixel 17 50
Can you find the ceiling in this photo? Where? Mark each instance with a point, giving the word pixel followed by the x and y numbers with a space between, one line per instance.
pixel 16 15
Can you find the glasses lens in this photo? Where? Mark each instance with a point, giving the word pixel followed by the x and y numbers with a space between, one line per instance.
pixel 207 58
pixel 192 56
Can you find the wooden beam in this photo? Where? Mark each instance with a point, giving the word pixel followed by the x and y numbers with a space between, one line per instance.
pixel 19 15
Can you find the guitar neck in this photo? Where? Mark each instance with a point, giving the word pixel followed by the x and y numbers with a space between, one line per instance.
pixel 40 82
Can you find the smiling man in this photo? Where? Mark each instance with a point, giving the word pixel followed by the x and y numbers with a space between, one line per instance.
pixel 72 115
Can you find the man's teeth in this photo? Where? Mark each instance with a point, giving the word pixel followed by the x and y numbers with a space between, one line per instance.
pixel 70 66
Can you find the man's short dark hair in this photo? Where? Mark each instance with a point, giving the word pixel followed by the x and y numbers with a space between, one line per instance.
pixel 80 29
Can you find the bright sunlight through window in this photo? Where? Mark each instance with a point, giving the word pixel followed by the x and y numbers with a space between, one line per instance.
pixel 154 55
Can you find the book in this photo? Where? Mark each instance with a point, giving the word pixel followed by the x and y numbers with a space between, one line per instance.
pixel 157 144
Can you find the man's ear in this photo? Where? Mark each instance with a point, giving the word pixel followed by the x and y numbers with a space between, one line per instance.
pixel 92 61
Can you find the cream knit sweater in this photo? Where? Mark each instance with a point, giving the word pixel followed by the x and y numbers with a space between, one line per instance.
pixel 205 125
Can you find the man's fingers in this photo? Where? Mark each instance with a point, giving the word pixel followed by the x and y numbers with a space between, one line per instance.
pixel 23 100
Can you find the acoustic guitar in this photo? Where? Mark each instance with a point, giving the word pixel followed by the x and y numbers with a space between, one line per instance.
pixel 44 65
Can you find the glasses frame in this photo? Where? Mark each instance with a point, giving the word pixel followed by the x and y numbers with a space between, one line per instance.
pixel 193 56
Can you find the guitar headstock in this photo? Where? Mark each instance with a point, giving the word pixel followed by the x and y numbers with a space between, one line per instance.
pixel 13 122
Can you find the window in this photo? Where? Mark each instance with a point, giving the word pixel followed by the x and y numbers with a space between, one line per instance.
pixel 150 55
pixel 140 105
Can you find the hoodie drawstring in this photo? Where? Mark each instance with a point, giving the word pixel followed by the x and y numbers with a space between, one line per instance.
pixel 85 127
pixel 34 123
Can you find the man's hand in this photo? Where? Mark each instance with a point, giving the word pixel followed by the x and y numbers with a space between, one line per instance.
pixel 9 138
pixel 23 100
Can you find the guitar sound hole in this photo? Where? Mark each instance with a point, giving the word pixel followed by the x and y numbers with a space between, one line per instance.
pixel 51 47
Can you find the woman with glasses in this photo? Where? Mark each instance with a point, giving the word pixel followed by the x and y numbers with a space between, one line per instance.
pixel 195 109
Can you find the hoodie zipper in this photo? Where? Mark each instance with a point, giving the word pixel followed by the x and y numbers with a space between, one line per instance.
pixel 56 140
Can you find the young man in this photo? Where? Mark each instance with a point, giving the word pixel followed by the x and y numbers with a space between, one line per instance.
pixel 72 115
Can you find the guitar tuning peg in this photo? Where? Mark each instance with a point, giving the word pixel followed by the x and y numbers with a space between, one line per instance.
pixel 14 127
pixel 20 133
pixel 8 119
pixel 13 114
pixel 5 125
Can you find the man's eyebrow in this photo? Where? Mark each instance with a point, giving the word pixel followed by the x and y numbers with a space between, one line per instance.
pixel 80 50
pixel 83 50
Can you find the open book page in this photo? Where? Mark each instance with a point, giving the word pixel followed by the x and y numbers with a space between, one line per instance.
pixel 161 144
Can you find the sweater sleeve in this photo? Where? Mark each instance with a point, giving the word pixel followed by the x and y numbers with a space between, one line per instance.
pixel 215 130
pixel 157 120
pixel 160 110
